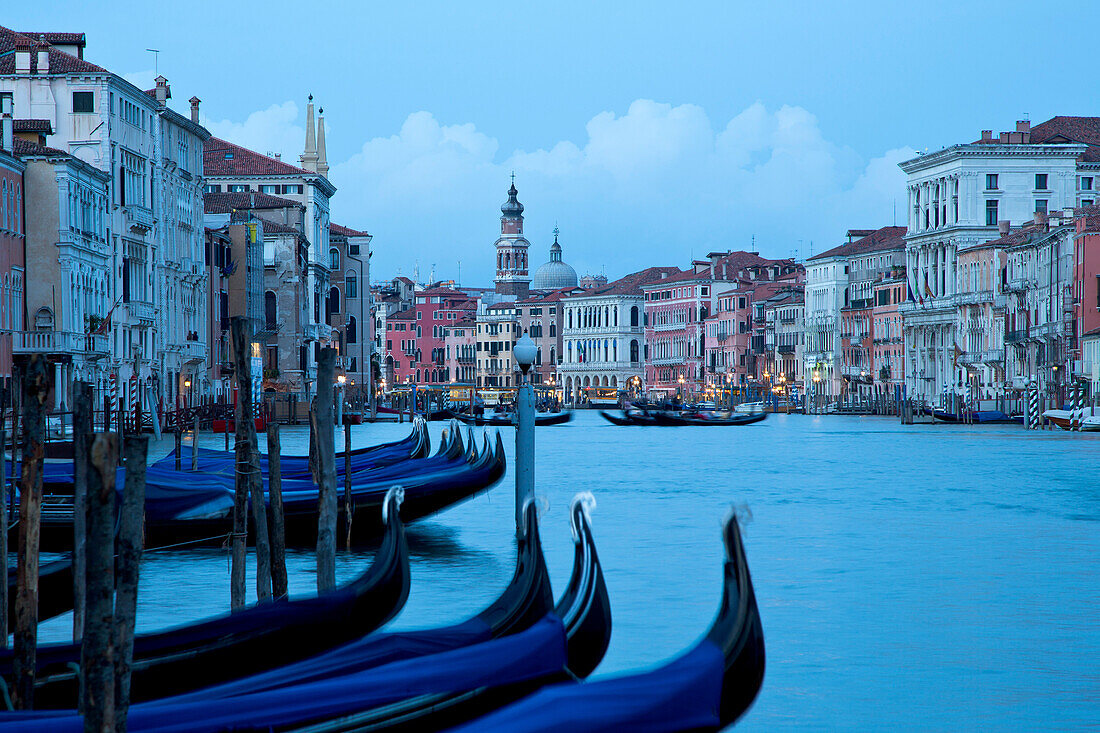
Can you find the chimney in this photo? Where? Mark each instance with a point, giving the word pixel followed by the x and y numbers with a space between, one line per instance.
pixel 6 124
pixel 1003 227
pixel 195 109
pixel 43 58
pixel 278 156
pixel 1041 220
pixel 163 92
pixel 987 135
pixel 1023 125
pixel 1004 137
pixel 23 47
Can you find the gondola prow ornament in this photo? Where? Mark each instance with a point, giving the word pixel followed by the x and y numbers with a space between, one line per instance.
pixel 524 352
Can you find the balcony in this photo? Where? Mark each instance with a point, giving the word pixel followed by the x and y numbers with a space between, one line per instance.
pixel 669 326
pixel 138 218
pixel 140 312
pixel 1016 337
pixel 977 297
pixel 993 356
pixel 60 342
pixel 315 332
pixel 667 361
pixel 1018 285
pixel 786 348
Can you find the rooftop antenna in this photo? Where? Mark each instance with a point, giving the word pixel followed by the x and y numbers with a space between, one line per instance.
pixel 156 60
pixel 458 282
pixel 895 211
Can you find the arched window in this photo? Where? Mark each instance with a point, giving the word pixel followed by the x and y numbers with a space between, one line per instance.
pixel 271 313
pixel 332 303
pixel 634 317
pixel 634 350
pixel 351 285
pixel 538 356
pixel 570 318
pixel 352 335
pixel 552 360
pixel 334 259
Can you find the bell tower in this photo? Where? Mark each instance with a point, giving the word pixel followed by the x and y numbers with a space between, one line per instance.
pixel 512 268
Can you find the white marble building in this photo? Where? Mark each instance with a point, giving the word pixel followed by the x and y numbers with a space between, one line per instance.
pixel 956 197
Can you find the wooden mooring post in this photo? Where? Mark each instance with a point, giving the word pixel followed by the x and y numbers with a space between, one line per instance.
pixel 326 460
pixel 239 538
pixel 130 544
pixel 37 381
pixel 195 444
pixel 97 647
pixel 349 505
pixel 83 428
pixel 278 519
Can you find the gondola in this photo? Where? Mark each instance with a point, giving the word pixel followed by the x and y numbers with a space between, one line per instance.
pixel 525 600
pixel 629 418
pixel 687 419
pixel 55 589
pixel 508 419
pixel 255 639
pixel 418 693
pixel 707 688
pixel 197 508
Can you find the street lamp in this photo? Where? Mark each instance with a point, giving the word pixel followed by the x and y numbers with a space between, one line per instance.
pixel 524 352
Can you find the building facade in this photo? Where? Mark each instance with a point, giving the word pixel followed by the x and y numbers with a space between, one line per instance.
pixel 512 278
pixel 603 334
pixel 13 237
pixel 957 198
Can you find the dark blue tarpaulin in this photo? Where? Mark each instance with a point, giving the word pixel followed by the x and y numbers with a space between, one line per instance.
pixel 682 695
pixel 538 652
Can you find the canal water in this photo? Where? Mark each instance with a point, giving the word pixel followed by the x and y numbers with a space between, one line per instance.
pixel 928 576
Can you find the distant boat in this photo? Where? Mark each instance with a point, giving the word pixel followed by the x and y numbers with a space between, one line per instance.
pixel 1091 424
pixel 982 417
pixel 507 419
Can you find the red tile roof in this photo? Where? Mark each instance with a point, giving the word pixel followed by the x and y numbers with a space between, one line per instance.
pixel 346 231
pixel 60 39
pixel 441 293
pixel 884 239
pixel 60 62
pixel 26 148
pixel 631 284
pixel 501 306
pixel 409 314
pixel 242 161
pixel 272 227
pixel 42 126
pixel 222 202
pixel 551 297
pixel 1071 129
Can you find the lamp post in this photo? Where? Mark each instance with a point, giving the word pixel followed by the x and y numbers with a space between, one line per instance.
pixel 817 381
pixel 341 383
pixel 524 352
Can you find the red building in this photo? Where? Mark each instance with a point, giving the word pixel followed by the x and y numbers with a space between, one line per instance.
pixel 12 239
pixel 1086 272
pixel 436 309
pixel 401 354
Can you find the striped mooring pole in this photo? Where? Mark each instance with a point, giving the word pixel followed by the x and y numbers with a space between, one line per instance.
pixel 1033 407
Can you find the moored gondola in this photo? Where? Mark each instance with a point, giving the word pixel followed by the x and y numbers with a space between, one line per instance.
pixel 258 638
pixel 418 692
pixel 707 688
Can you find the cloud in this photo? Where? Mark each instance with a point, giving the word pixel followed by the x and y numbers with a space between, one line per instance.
pixel 274 130
pixel 655 184
pixel 142 79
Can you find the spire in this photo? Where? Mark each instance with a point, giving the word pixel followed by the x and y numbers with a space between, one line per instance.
pixel 555 248
pixel 322 156
pixel 309 155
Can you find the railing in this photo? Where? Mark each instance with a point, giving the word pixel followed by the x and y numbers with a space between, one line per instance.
pixel 786 348
pixel 140 310
pixel 1016 337
pixel 975 298
pixel 993 356
pixel 138 216
pixel 59 342
pixel 1018 284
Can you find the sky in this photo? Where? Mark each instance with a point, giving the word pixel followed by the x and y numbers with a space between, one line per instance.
pixel 649 133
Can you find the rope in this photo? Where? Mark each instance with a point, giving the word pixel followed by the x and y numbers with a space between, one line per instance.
pixel 190 542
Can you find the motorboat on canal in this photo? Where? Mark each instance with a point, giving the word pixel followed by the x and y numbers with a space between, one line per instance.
pixel 258 638
pixel 707 688
pixel 425 680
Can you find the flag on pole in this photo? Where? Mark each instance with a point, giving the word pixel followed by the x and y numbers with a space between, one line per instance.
pixel 957 352
pixel 927 290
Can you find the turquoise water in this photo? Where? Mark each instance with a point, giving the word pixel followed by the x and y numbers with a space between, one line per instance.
pixel 936 577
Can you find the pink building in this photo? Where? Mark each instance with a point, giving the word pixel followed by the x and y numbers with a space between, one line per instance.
pixel 401 355
pixel 460 350
pixel 677 308
pixel 12 239
pixel 887 340
pixel 1086 272
pixel 436 309
pixel 728 335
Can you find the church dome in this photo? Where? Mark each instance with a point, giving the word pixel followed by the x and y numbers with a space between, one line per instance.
pixel 554 274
